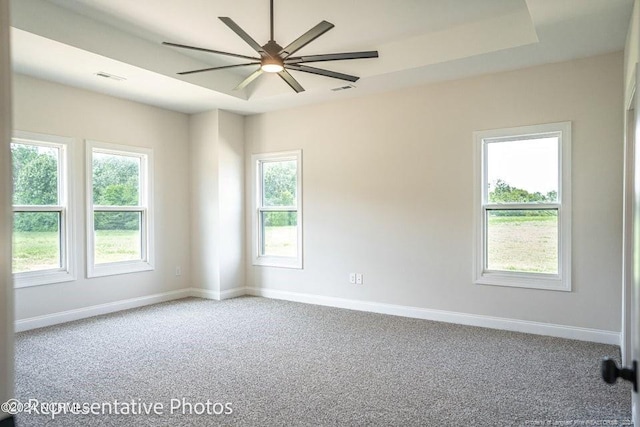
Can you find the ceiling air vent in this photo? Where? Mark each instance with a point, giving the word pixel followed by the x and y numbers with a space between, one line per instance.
pixel 337 89
pixel 109 76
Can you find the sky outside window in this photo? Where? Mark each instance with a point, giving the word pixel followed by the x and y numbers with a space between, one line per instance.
pixel 530 165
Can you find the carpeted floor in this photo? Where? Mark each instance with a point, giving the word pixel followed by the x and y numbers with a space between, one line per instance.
pixel 281 363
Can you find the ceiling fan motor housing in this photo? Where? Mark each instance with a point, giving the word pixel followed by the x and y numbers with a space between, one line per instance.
pixel 272 48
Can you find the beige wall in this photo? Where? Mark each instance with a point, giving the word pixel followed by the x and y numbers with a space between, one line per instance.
pixel 374 172
pixel 56 109
pixel 388 183
pixel 231 191
pixel 205 213
pixel 216 151
pixel 6 285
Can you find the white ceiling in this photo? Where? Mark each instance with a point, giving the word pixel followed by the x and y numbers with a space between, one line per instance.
pixel 419 41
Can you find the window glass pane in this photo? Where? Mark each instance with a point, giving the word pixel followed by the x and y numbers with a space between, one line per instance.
pixel 35 174
pixel 523 171
pixel 279 183
pixel 280 234
pixel 522 241
pixel 36 241
pixel 116 180
pixel 117 237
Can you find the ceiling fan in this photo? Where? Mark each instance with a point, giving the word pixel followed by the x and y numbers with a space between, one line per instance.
pixel 277 59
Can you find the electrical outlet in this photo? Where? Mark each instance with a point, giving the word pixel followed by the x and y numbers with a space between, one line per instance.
pixel 178 271
pixel 352 278
pixel 359 279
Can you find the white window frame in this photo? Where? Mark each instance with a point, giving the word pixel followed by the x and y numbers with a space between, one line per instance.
pixel 67 270
pixel 482 276
pixel 145 207
pixel 274 261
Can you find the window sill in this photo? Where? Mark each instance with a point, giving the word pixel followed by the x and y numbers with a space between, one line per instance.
pixel 116 268
pixel 550 282
pixel 280 262
pixel 41 278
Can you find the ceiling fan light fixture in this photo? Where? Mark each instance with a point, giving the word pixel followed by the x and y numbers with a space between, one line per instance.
pixel 275 59
pixel 271 65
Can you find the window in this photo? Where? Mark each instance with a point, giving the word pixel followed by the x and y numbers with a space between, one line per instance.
pixel 277 209
pixel 41 215
pixel 120 213
pixel 523 219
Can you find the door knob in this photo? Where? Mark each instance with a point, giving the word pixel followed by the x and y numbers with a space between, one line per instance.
pixel 610 372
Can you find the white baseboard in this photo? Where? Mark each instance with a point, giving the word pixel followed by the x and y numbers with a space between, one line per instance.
pixel 96 310
pixel 204 293
pixel 217 295
pixel 233 293
pixel 538 328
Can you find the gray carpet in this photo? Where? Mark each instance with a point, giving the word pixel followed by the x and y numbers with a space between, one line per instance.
pixel 282 363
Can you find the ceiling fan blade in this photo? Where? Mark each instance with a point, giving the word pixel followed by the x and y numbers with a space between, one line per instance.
pixel 184 73
pixel 201 49
pixel 243 35
pixel 249 79
pixel 332 57
pixel 291 81
pixel 306 38
pixel 321 72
